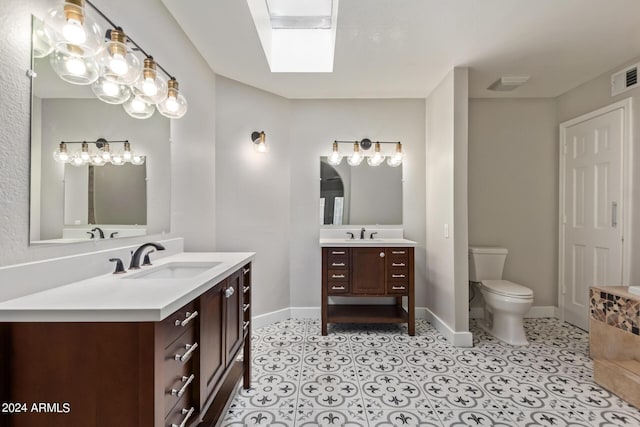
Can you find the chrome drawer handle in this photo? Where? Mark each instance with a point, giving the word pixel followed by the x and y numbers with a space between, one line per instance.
pixel 228 292
pixel 186 381
pixel 396 276
pixel 338 288
pixel 397 264
pixel 245 325
pixel 337 252
pixel 397 288
pixel 245 307
pixel 337 276
pixel 338 264
pixel 398 252
pixel 187 414
pixel 190 317
pixel 246 271
pixel 190 349
pixel 246 289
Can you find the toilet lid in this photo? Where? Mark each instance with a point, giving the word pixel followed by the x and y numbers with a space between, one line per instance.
pixel 506 288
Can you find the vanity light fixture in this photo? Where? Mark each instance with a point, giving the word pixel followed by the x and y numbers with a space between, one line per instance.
pixel 259 139
pixel 98 157
pixel 378 156
pixel 81 54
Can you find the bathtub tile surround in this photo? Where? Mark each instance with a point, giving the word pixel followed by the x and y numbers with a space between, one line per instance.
pixel 616 307
pixel 379 376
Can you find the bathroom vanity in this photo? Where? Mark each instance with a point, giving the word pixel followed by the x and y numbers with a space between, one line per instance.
pixel 163 346
pixel 372 268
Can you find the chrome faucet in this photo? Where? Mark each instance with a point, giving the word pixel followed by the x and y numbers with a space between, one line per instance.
pixel 362 233
pixel 100 232
pixel 135 256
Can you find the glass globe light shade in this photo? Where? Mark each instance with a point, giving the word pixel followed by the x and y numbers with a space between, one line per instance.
pixel 61 155
pixel 117 159
pixel 377 158
pixel 138 108
pixel 175 105
pixel 111 92
pixel 77 161
pixel 118 63
pixel 74 66
pixel 395 159
pixel 151 87
pixel 42 41
pixel 97 160
pixel 356 158
pixel 137 159
pixel 70 24
pixel 334 158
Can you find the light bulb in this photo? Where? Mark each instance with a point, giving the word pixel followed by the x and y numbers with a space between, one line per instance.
pixel 97 160
pixel 110 88
pixel 137 159
pixel 76 66
pixel 137 104
pixel 118 64
pixel 85 156
pixel 117 159
pixel 334 158
pixel 61 155
pixel 395 160
pixel 356 158
pixel 73 32
pixel 77 160
pixel 262 147
pixel 127 155
pixel 149 87
pixel 377 158
pixel 172 104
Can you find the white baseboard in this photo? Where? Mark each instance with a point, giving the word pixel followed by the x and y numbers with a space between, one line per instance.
pixel 305 312
pixel 458 339
pixel 534 313
pixel 271 317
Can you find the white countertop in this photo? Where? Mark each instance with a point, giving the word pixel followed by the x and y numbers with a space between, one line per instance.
pixel 117 298
pixel 371 243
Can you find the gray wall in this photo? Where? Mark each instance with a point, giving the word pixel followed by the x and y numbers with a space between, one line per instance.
pixel 193 136
pixel 513 188
pixel 446 199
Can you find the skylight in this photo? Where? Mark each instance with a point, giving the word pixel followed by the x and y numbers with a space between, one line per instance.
pixel 297 36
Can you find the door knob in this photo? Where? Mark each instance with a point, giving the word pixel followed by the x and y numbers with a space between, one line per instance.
pixel 381 254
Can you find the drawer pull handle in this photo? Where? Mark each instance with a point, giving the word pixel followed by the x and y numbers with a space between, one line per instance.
pixel 337 264
pixel 187 414
pixel 189 318
pixel 186 381
pixel 398 252
pixel 397 276
pixel 190 349
pixel 337 252
pixel 245 307
pixel 337 276
pixel 338 288
pixel 397 288
pixel 245 325
pixel 397 264
pixel 229 291
pixel 246 289
pixel 246 271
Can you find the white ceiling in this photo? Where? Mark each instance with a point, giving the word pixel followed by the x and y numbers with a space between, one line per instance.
pixel 403 48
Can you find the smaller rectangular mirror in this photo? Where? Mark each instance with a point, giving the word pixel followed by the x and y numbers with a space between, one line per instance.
pixel 360 194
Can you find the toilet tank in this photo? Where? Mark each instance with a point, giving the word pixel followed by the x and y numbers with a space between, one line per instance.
pixel 486 263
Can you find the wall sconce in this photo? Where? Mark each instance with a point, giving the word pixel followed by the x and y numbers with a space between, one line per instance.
pixel 98 157
pixel 394 159
pixel 82 54
pixel 259 139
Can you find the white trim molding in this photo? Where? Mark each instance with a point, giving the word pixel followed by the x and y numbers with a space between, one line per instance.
pixel 270 318
pixel 457 338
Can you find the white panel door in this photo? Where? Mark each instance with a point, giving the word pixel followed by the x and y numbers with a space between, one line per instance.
pixel 592 211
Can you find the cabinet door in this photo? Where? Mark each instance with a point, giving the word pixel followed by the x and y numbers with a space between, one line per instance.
pixel 212 339
pixel 368 271
pixel 233 315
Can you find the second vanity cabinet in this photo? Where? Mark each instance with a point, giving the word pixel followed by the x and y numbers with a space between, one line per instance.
pixel 368 272
pixel 179 372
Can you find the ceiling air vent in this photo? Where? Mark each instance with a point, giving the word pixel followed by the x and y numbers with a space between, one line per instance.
pixel 624 80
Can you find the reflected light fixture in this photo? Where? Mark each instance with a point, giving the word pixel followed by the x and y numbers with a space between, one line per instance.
pixel 98 157
pixel 359 153
pixel 259 139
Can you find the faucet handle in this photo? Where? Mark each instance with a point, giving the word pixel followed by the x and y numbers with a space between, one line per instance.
pixel 350 233
pixel 374 232
pixel 147 260
pixel 91 234
pixel 112 235
pixel 119 266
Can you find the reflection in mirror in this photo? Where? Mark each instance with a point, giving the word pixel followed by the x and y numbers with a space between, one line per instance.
pixel 360 195
pixel 64 112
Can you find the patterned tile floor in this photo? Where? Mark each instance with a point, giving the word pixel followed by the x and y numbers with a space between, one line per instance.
pixel 376 375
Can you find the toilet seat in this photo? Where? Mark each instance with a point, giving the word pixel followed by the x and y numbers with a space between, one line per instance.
pixel 507 289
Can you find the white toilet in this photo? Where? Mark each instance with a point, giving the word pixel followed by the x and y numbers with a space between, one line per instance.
pixel 505 303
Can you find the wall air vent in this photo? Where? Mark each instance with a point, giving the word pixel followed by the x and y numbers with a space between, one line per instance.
pixel 624 80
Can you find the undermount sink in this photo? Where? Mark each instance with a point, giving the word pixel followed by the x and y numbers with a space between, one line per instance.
pixel 175 270
pixel 362 241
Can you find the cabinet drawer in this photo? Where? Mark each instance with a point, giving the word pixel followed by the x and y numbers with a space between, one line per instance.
pixel 178 384
pixel 337 258
pixel 397 274
pixel 338 275
pixel 336 288
pixel 398 287
pixel 177 323
pixel 183 414
pixel 398 253
pixel 179 354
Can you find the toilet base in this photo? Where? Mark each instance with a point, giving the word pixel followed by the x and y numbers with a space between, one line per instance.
pixel 505 328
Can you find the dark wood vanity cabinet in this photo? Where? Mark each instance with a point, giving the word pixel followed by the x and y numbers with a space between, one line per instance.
pixel 177 372
pixel 368 272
